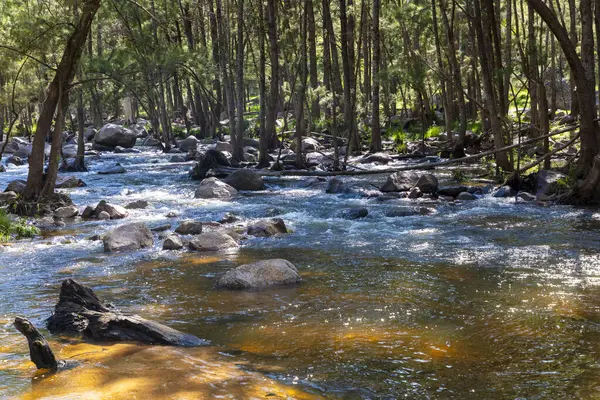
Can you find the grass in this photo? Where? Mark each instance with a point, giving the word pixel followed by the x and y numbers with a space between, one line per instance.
pixel 19 228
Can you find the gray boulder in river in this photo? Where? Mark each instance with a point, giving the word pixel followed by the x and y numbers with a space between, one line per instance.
pixel 245 179
pixel 80 311
pixel 128 237
pixel 213 188
pixel 112 135
pixel 260 274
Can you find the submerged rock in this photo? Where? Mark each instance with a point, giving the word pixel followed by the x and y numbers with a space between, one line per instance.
pixel 138 204
pixel 379 158
pixel 408 212
pixel 128 237
pixel 526 196
pixel 452 191
pixel 80 311
pixel 466 196
pixel 189 143
pixel 15 160
pixel 213 188
pixel 245 179
pixel 335 186
pixel 117 169
pixel 212 241
pixel 260 274
pixel 69 183
pixel 356 213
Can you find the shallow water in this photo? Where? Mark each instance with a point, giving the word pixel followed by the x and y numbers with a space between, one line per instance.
pixel 487 299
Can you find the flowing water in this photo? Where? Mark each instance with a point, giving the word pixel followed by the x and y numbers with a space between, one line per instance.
pixel 485 300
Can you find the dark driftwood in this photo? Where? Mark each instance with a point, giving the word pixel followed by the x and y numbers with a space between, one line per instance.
pixel 419 166
pixel 79 310
pixel 40 352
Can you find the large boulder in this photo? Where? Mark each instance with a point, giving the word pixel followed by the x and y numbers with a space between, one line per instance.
pixel 427 183
pixel 505 191
pixel 245 179
pixel 260 274
pixel 400 181
pixel 89 133
pixel 113 211
pixel 112 135
pixel 213 188
pixel 452 191
pixel 378 158
pixel 268 228
pixel 466 196
pixel 212 241
pixel 189 228
pixel 128 237
pixel 69 151
pixel 15 160
pixel 189 144
pixel 137 205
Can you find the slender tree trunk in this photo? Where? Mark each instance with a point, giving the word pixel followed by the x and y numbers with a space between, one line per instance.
pixel 271 113
pixel 315 111
pixel 237 137
pixel 376 123
pixel 263 143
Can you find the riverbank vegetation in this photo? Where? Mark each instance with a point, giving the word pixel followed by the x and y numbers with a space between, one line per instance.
pixel 469 75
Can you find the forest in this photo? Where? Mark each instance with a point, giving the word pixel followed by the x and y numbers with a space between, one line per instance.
pixel 299 198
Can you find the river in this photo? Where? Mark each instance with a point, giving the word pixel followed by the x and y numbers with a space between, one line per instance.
pixel 483 299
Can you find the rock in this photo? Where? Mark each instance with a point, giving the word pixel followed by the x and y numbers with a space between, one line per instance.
pixel 379 158
pixel 249 142
pixel 310 144
pixel 89 133
pixel 8 197
pixel 251 150
pixel 525 196
pixel 211 159
pixel 89 212
pixel 136 205
pixel 546 182
pixel 161 228
pixel 245 179
pixel 2 168
pixel 70 151
pixel 128 237
pixel 224 146
pixel 397 212
pixel 114 211
pixel 80 311
pixel 178 159
pixel 66 212
pixel 69 183
pixel 16 186
pixel 260 274
pixel 15 160
pixel 188 144
pixel 505 191
pixel 400 182
pixel 427 183
pixel 466 196
pixel 212 241
pixel 189 228
pixel 117 169
pixel 173 242
pixel 415 193
pixel 356 213
pixel 212 188
pixel 336 185
pixel 452 191
pixel 112 135
pixel 172 214
pixel 103 215
pixel 229 218
pixel 267 228
pixel 250 158
pixel 124 150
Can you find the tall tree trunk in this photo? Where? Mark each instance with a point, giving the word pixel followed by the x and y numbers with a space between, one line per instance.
pixel 301 94
pixel 263 142
pixel 376 123
pixel 271 113
pixel 62 79
pixel 237 137
pixel 315 111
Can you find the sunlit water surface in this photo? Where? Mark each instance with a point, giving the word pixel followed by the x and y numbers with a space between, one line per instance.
pixel 487 299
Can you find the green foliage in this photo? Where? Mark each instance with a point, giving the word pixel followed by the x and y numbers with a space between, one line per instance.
pixel 434 131
pixel 459 175
pixel 10 227
pixel 475 126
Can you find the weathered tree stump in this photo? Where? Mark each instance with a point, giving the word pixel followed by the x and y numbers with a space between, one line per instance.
pixel 79 310
pixel 40 352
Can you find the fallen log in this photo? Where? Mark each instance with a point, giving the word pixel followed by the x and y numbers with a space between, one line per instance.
pixel 425 165
pixel 39 350
pixel 79 310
